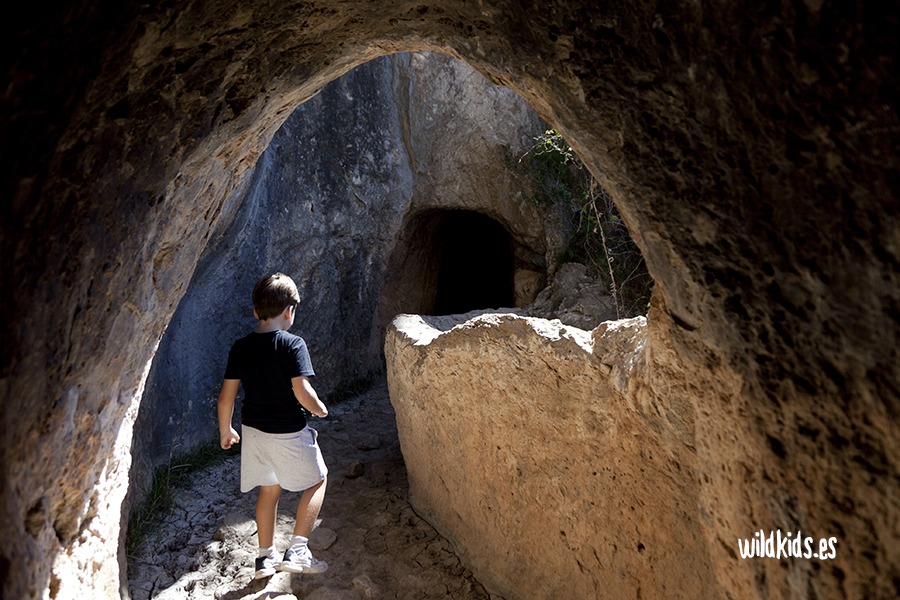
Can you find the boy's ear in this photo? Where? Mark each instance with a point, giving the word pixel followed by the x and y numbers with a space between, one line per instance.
pixel 255 316
pixel 286 313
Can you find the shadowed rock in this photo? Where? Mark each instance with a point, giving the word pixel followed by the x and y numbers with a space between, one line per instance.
pixel 750 147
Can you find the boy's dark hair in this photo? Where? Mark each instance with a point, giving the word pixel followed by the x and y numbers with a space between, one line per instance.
pixel 274 293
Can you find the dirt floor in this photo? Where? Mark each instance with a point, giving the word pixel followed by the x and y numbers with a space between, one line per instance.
pixel 375 544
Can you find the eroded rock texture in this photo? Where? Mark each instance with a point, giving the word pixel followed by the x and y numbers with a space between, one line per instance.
pixel 751 148
pixel 524 446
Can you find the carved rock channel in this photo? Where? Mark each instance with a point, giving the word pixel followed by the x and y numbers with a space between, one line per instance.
pixel 541 451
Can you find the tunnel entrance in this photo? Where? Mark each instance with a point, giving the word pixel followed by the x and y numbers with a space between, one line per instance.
pixel 473 254
pixel 451 261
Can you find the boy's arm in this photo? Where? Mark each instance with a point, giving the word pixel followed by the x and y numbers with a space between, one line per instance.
pixel 307 396
pixel 227 395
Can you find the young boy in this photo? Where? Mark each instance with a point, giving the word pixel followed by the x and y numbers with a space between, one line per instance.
pixel 279 450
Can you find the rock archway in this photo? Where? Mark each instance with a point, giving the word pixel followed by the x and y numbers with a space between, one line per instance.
pixel 327 202
pixel 750 148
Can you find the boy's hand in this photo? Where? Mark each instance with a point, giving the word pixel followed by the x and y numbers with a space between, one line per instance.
pixel 225 411
pixel 226 440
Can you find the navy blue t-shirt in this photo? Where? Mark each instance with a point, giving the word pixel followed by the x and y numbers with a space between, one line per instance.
pixel 265 363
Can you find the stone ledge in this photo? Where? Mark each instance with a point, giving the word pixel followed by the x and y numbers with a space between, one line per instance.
pixel 523 450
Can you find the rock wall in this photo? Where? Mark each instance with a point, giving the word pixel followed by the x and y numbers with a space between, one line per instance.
pixel 750 147
pixel 345 174
pixel 526 444
pixel 575 297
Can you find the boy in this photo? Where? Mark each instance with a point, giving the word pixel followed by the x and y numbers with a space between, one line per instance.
pixel 279 449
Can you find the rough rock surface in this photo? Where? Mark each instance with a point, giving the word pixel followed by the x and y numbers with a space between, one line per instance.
pixel 591 492
pixel 750 147
pixel 375 545
pixel 575 298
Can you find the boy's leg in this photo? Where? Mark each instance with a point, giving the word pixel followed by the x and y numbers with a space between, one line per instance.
pixel 298 558
pixel 266 513
pixel 308 509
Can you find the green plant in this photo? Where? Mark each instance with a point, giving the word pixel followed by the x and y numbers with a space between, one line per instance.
pixel 166 479
pixel 599 239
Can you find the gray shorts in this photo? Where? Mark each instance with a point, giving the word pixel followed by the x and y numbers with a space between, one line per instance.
pixel 291 460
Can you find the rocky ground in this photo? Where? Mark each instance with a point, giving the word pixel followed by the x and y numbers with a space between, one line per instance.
pixel 375 544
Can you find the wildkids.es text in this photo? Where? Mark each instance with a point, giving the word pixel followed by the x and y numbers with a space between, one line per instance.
pixel 777 545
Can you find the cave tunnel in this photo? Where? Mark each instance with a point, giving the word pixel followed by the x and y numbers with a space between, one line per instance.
pixel 450 261
pixel 474 260
pixel 148 148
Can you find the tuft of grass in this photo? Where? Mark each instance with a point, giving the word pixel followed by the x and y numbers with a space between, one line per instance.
pixel 166 479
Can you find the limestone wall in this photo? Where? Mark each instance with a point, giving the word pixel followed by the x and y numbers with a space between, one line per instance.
pixel 540 451
pixel 567 463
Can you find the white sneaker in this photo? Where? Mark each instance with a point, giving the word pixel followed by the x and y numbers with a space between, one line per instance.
pixel 298 559
pixel 265 567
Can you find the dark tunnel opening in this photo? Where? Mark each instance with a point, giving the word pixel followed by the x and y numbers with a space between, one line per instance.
pixel 474 259
pixel 449 261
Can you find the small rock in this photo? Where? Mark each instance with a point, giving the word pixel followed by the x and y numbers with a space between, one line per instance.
pixel 364 584
pixel 375 540
pixel 321 539
pixel 354 470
